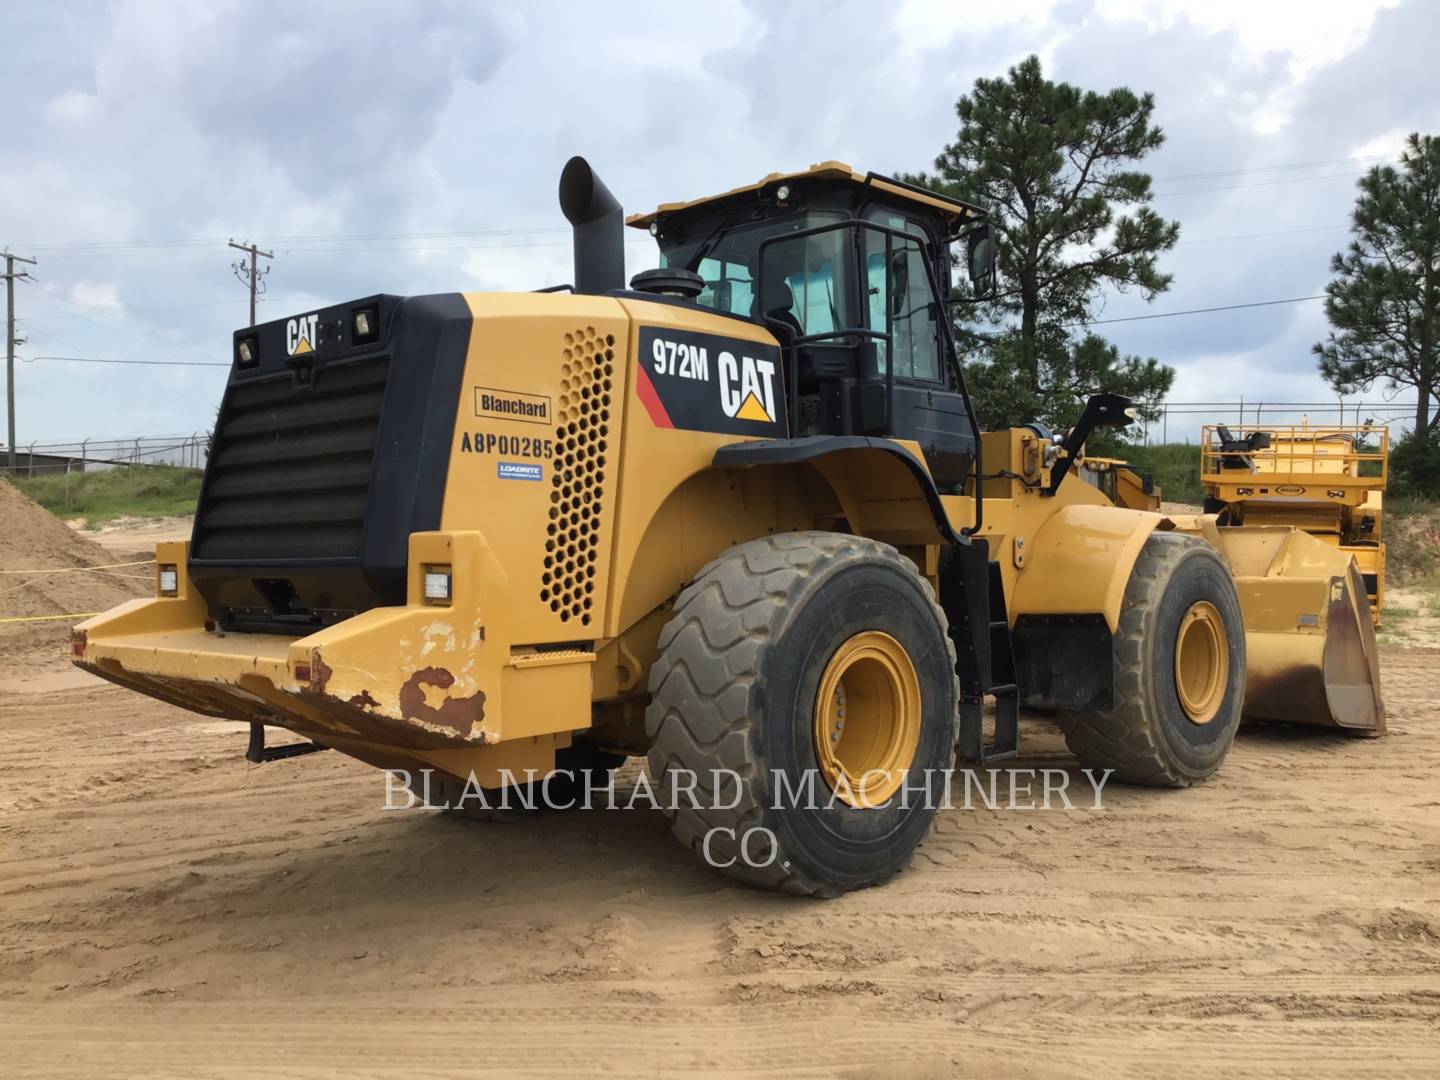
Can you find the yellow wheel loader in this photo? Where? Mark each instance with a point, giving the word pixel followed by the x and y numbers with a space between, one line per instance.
pixel 736 515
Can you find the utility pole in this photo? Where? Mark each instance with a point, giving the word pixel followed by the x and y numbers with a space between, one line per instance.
pixel 251 275
pixel 10 276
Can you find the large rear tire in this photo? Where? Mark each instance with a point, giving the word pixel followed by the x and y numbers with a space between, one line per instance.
pixel 1179 670
pixel 813 670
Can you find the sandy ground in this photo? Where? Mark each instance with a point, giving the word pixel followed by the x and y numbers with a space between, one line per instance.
pixel 127 534
pixel 169 910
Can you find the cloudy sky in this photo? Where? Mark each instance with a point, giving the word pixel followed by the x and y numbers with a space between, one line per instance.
pixel 414 147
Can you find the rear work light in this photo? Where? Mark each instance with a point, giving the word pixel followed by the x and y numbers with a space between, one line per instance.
pixel 169 580
pixel 437 584
pixel 364 326
pixel 247 351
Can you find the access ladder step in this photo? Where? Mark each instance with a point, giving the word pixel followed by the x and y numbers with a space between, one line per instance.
pixel 259 753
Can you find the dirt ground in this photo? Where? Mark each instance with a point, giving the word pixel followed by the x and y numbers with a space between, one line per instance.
pixel 168 910
pixel 128 534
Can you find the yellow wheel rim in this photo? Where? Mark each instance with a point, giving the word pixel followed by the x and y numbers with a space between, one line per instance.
pixel 867 719
pixel 1202 662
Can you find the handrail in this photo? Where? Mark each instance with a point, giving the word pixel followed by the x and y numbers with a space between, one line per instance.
pixel 1298 451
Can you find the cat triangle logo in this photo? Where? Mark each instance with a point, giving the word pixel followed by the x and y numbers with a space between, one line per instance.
pixel 747 388
pixel 300 335
pixel 751 409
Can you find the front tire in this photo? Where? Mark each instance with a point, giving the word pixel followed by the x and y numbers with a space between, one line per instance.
pixel 777 644
pixel 1179 670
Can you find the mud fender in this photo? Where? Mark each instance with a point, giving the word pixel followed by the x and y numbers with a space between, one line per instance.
pixel 1079 562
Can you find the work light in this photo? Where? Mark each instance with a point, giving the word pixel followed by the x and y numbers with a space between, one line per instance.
pixel 365 326
pixel 247 352
pixel 437 584
pixel 169 580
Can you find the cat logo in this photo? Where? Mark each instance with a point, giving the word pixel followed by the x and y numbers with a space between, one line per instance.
pixel 747 388
pixel 300 335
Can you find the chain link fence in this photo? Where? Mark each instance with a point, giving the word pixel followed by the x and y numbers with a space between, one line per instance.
pixel 1168 422
pixel 98 455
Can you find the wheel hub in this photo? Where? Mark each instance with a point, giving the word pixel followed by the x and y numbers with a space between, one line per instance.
pixel 1202 662
pixel 867 719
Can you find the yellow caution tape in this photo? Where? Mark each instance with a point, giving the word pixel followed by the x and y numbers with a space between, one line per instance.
pixel 48 618
pixel 81 569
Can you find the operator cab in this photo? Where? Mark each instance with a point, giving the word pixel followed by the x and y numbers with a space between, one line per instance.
pixel 851 273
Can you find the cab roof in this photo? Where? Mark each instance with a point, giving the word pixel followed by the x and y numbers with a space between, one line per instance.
pixel 954 211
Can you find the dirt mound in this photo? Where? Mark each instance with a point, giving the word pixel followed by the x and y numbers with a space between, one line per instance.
pixel 1412 541
pixel 33 539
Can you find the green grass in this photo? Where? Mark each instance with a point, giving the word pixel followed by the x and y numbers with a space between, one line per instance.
pixel 1174 466
pixel 98 497
pixel 1398 506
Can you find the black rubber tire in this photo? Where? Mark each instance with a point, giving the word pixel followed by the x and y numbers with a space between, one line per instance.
pixel 734 687
pixel 1146 738
pixel 525 801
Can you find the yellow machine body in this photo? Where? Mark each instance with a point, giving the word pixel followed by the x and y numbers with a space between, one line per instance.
pixel 573 502
pixel 1322 479
pixel 490 681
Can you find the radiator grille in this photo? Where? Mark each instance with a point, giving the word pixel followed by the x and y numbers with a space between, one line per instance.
pixel 290 467
pixel 578 476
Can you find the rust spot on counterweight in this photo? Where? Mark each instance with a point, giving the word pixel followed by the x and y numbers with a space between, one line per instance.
pixel 462 714
pixel 363 700
pixel 320 672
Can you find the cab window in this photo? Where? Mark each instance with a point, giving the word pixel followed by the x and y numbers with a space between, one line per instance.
pixel 905 293
pixel 811 270
pixel 728 286
pixel 802 278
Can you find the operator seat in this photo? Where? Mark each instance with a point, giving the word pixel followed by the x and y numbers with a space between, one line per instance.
pixel 1236 452
pixel 778 304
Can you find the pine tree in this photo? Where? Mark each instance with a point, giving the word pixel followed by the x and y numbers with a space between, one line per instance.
pixel 1052 163
pixel 1384 302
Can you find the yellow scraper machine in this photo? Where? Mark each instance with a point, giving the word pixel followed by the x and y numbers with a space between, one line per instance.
pixel 1328 480
pixel 736 515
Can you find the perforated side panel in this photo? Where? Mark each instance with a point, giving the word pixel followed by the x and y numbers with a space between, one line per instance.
pixel 578 476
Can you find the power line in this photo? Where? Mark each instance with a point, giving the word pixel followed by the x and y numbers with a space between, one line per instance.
pixel 1277 168
pixel 190 252
pixel 1258 184
pixel 1197 311
pixel 1258 235
pixel 94 248
pixel 151 363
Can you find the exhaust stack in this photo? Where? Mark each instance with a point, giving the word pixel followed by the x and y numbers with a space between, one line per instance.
pixel 599 228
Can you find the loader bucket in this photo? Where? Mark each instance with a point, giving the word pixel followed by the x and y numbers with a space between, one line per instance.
pixel 1311 654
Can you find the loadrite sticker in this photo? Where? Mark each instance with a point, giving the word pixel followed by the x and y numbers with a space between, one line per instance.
pixel 488 442
pixel 512 405
pixel 706 382
pixel 515 470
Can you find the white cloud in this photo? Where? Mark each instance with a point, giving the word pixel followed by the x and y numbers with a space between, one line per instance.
pixel 100 297
pixel 1312 32
pixel 147 121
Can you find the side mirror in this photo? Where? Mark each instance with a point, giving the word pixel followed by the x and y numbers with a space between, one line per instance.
pixel 981 254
